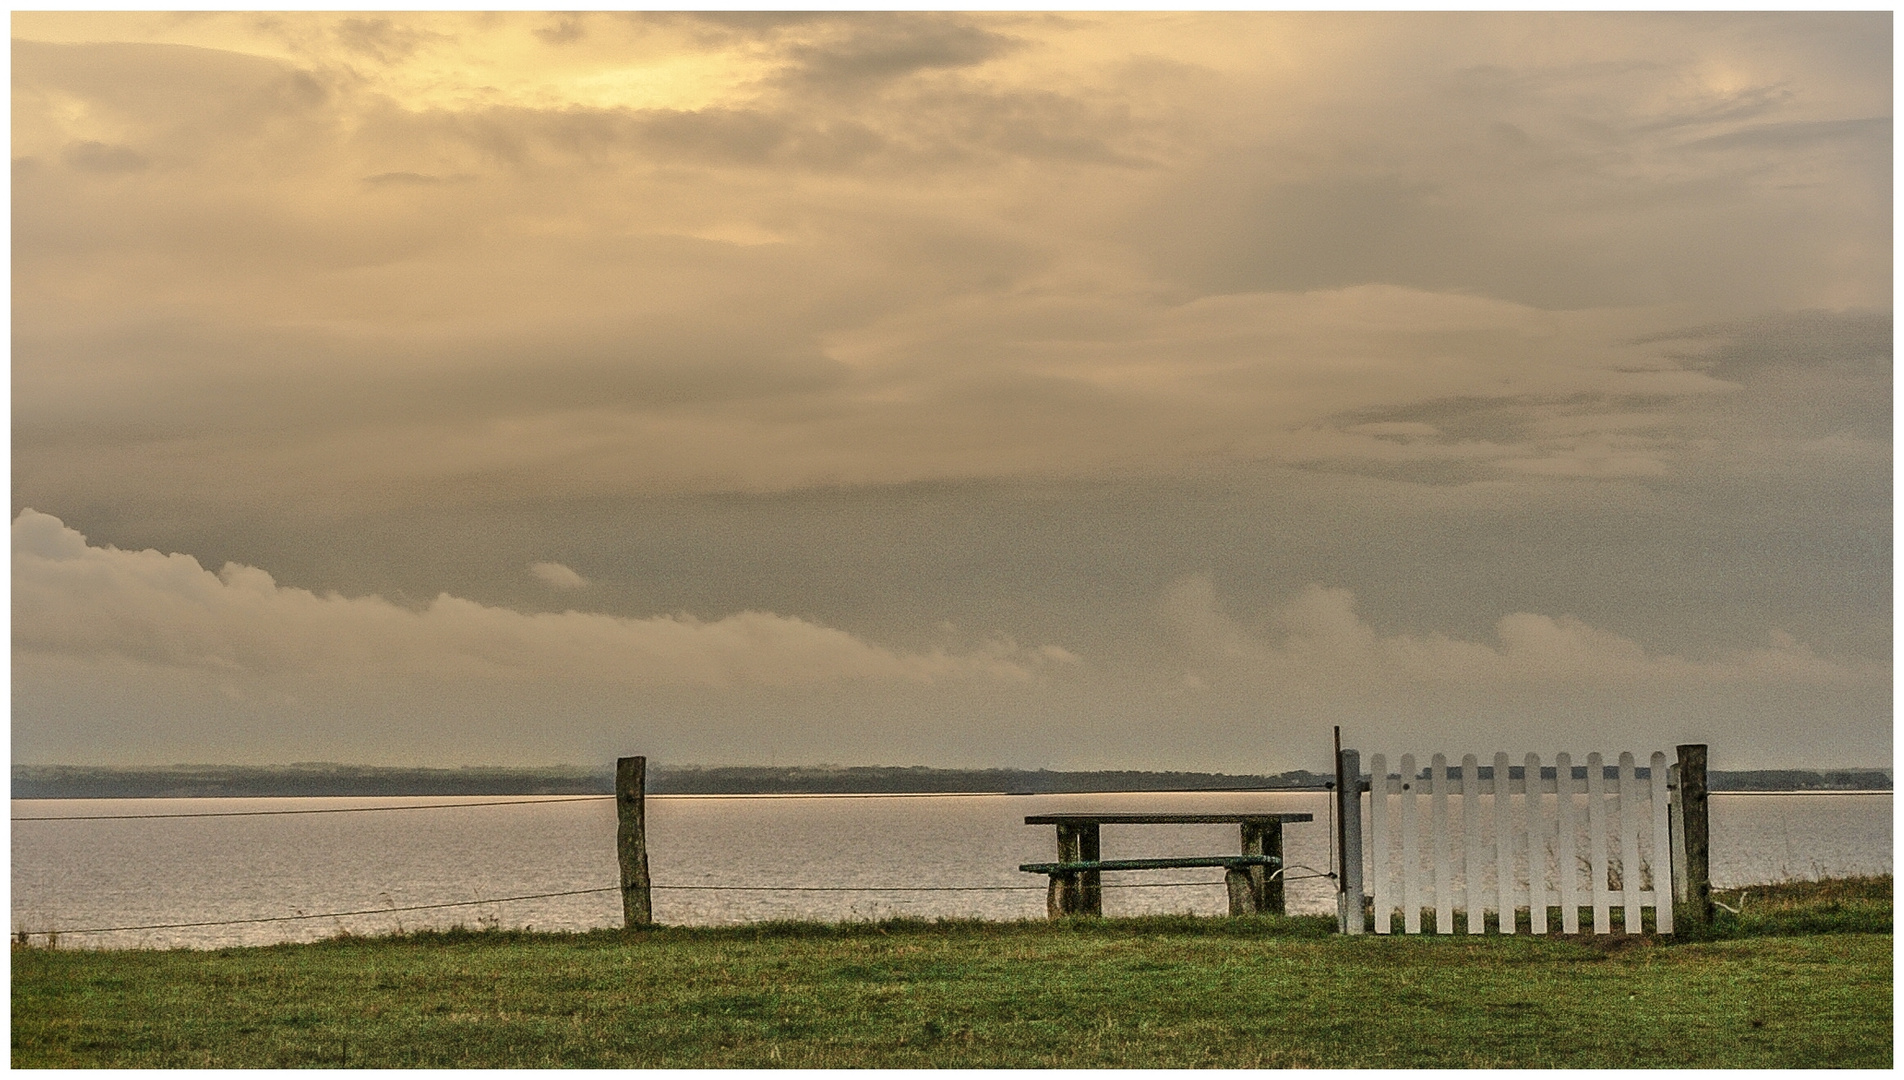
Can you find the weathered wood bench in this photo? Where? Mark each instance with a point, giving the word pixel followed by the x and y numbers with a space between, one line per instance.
pixel 1252 877
pixel 1236 874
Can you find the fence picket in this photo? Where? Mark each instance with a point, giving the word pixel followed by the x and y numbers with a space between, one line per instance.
pixel 1628 820
pixel 1568 870
pixel 1664 887
pixel 1536 848
pixel 1475 906
pixel 1439 838
pixel 1411 849
pixel 1378 841
pixel 1504 843
pixel 1597 843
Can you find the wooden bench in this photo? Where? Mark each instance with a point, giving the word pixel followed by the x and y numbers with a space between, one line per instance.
pixel 1252 876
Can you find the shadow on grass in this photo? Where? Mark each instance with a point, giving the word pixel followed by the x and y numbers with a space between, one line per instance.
pixel 1855 905
pixel 1849 905
pixel 1255 926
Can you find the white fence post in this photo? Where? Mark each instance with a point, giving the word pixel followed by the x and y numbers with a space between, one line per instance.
pixel 1349 805
pixel 1665 880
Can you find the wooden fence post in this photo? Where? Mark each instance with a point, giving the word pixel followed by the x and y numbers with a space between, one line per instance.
pixel 631 839
pixel 1692 802
pixel 1676 824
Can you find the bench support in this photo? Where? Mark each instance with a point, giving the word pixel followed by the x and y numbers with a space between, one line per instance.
pixel 1252 879
pixel 1266 890
pixel 1082 892
pixel 1242 890
pixel 1064 890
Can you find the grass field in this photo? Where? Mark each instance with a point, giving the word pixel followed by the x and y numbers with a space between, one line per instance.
pixel 1802 978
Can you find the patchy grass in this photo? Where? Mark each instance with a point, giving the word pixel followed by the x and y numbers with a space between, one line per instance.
pixel 1801 979
pixel 1829 906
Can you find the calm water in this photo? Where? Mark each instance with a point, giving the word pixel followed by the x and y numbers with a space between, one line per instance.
pixel 82 874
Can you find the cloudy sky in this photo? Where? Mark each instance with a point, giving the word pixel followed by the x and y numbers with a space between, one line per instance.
pixel 1068 390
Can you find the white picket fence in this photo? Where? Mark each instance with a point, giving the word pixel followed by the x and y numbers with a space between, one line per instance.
pixel 1502 844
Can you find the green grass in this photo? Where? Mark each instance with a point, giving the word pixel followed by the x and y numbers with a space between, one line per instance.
pixel 1801 979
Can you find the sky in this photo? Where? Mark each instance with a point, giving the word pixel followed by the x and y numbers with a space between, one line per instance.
pixel 1066 390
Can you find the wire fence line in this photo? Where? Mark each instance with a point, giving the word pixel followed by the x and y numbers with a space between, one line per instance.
pixel 615 888
pixel 544 801
pixel 330 914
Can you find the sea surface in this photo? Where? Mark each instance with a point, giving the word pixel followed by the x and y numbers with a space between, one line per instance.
pixel 713 859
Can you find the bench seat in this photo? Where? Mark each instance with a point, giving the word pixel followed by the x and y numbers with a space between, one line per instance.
pixel 1228 862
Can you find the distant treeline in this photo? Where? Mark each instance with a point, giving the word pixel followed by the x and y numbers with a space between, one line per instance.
pixel 216 781
pixel 1801 780
pixel 324 779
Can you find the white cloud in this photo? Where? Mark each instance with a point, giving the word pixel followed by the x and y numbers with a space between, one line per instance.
pixel 165 610
pixel 1318 640
pixel 557 576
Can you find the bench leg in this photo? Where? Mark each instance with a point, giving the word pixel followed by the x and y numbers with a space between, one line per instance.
pixel 1242 895
pixel 1090 883
pixel 1273 901
pixel 1266 889
pixel 1065 895
pixel 1081 893
pixel 1258 875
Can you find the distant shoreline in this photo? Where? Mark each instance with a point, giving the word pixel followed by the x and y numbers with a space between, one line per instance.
pixel 329 780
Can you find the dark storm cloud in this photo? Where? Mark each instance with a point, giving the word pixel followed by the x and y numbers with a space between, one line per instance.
pixel 886 48
pixel 379 39
pixel 1556 184
pixel 98 157
pixel 563 30
pixel 1304 235
pixel 720 135
pixel 652 365
pixel 1792 380
pixel 1870 135
pixel 204 95
pixel 1858 344
pixel 410 179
